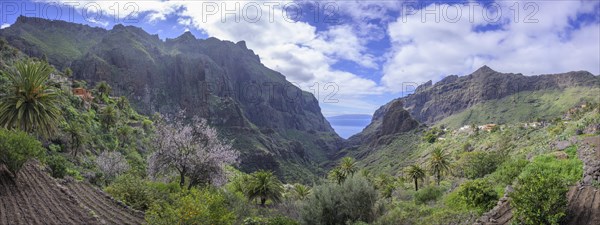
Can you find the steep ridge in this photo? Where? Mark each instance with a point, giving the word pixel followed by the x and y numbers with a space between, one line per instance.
pixel 389 119
pixel 276 125
pixel 431 103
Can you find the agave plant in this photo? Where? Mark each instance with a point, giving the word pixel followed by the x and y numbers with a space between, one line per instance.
pixel 30 103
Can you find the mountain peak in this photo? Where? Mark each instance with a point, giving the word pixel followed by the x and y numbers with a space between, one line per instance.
pixel 118 27
pixel 187 35
pixel 484 69
pixel 242 44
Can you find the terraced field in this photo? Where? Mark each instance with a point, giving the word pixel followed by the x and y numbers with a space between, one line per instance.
pixel 36 198
pixel 107 210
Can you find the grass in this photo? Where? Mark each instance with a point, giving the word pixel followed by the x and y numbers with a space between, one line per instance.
pixel 386 159
pixel 62 47
pixel 522 107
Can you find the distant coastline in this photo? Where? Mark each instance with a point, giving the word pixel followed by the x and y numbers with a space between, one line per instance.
pixel 350 124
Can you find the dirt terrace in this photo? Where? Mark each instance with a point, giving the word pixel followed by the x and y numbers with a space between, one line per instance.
pixel 36 198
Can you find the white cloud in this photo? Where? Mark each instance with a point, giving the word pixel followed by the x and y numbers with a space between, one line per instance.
pixel 121 10
pixel 342 43
pixel 368 17
pixel 102 23
pixel 427 51
pixel 4 26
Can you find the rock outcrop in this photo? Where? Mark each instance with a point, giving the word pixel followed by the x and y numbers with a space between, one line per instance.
pixel 501 214
pixel 433 102
pixel 589 153
pixel 390 119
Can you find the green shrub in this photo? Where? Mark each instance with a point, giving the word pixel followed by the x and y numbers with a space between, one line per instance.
pixel 162 192
pixel 428 194
pixel 405 213
pixel 447 216
pixel 539 197
pixel 432 134
pixel 507 171
pixel 331 203
pixel 455 201
pixel 478 164
pixel 568 170
pixel 132 191
pixel 54 148
pixel 255 221
pixel 430 137
pixel 478 194
pixel 58 164
pixel 278 220
pixel 196 206
pixel 147 124
pixel 16 148
pixel 74 173
pixel 467 147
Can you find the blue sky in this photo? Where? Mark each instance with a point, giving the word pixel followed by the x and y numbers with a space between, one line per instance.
pixel 360 55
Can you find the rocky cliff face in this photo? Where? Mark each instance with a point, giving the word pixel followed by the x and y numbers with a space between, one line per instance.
pixel 390 119
pixel 431 103
pixel 273 122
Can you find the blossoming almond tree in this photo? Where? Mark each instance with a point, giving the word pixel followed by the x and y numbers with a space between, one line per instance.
pixel 112 164
pixel 191 150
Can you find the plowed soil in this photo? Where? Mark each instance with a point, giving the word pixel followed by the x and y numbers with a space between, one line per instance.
pixel 36 198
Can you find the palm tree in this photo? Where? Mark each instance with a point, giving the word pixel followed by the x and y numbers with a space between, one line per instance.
pixel 347 166
pixel 30 104
pixel 76 137
pixel 264 185
pixel 439 164
pixel 336 175
pixel 382 180
pixel 416 173
pixel 103 88
pixel 108 117
pixel 300 191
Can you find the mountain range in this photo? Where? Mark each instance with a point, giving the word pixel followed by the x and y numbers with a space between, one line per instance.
pixel 276 125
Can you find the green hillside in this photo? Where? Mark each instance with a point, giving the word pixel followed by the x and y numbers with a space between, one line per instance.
pixel 497 158
pixel 523 107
